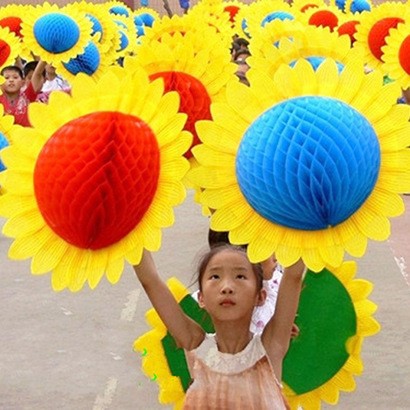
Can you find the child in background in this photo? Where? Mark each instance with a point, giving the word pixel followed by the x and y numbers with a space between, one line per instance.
pixel 233 368
pixel 15 97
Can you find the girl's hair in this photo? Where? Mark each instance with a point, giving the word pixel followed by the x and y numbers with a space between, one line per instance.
pixel 219 247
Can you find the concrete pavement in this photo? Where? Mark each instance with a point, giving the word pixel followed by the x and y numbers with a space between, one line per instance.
pixel 70 351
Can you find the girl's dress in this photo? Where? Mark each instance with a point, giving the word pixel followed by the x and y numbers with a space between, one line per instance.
pixel 223 381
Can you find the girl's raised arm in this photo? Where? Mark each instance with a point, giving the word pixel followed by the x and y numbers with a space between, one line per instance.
pixel 187 333
pixel 276 335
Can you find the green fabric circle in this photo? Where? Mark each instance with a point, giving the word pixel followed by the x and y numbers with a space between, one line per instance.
pixel 176 356
pixel 326 319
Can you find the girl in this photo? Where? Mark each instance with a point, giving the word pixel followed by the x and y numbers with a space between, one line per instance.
pixel 233 368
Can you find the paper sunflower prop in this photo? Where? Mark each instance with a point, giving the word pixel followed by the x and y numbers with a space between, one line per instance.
pixel 104 30
pixel 305 164
pixel 304 5
pixel 199 75
pixel 92 185
pixel 312 43
pixel 374 28
pixel 262 13
pixel 92 62
pixel 9 47
pixel 334 317
pixel 11 18
pixel 323 16
pixel 56 34
pixel 212 14
pixel 396 55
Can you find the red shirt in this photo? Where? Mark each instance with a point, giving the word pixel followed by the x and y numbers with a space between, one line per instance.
pixel 19 110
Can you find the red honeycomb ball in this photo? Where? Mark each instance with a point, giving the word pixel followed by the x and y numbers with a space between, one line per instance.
pixel 195 101
pixel 404 55
pixel 376 37
pixel 324 18
pixel 4 52
pixel 13 24
pixel 96 177
pixel 349 28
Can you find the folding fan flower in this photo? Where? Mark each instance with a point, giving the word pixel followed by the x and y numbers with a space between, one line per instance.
pixel 91 185
pixel 307 164
pixel 9 47
pixel 56 34
pixel 199 75
pixel 312 43
pixel 374 28
pixel 396 55
pixel 330 347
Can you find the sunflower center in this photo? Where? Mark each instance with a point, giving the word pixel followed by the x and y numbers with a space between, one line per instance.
pixel 87 62
pixel 324 18
pixel 195 100
pixel 4 52
pixel 13 24
pixel 404 53
pixel 308 163
pixel 96 177
pixel 377 35
pixel 56 32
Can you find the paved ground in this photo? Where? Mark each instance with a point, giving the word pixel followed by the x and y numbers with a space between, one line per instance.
pixel 74 351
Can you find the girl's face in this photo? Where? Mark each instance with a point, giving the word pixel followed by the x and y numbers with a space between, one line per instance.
pixel 229 287
pixel 13 82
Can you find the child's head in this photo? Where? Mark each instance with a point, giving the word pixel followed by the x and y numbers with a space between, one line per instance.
pixel 230 286
pixel 14 80
pixel 220 247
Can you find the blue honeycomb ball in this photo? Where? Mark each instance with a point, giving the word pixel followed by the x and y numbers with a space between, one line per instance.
pixel 277 15
pixel 119 10
pixel 56 32
pixel 316 61
pixel 357 6
pixel 147 18
pixel 124 42
pixel 96 25
pixel 3 144
pixel 308 163
pixel 87 63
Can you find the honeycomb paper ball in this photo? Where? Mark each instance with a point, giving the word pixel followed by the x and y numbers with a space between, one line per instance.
pixel 277 15
pixel 5 51
pixel 87 63
pixel 13 23
pixel 195 101
pixel 96 25
pixel 56 32
pixel 103 182
pixel 308 163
